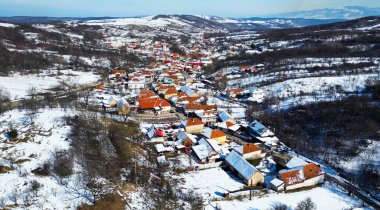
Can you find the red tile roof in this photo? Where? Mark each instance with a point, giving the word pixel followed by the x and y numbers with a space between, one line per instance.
pixel 301 174
pixel 193 121
pixel 250 147
pixel 216 133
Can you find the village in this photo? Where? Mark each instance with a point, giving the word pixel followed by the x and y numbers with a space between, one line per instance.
pixel 195 127
pixel 183 118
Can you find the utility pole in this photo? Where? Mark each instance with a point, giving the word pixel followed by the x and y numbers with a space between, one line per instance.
pixel 250 191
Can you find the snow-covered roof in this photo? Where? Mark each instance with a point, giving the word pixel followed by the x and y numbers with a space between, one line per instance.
pixel 295 162
pixel 151 133
pixel 122 102
pixel 201 151
pixel 244 168
pixel 161 159
pixel 224 116
pixel 258 128
pixel 162 148
pixel 277 182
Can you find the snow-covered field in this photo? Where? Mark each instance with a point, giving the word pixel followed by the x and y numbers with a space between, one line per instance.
pixel 326 197
pixel 317 84
pixel 213 182
pixel 18 84
pixel 146 21
pixel 52 194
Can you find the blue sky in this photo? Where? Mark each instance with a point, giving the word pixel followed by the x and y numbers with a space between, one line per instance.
pixel 128 8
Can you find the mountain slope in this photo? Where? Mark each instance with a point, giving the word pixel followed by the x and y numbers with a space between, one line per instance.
pixel 348 12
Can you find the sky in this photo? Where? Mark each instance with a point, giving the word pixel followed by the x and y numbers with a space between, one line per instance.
pixel 130 8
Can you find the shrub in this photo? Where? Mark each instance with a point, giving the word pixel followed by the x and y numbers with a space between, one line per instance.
pixel 109 201
pixel 13 134
pixel 43 170
pixel 63 164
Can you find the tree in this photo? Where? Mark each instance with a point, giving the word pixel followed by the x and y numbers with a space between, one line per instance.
pixel 221 84
pixel 176 49
pixel 307 204
pixel 32 91
pixel 4 100
pixel 85 93
pixel 279 206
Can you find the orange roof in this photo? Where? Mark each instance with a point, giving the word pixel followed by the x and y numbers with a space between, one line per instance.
pixel 118 71
pixel 146 92
pixel 311 170
pixel 201 107
pixel 150 103
pixel 250 147
pixel 301 174
pixel 180 94
pixel 170 91
pixel 229 124
pixel 216 133
pixel 244 67
pixel 291 177
pixel 236 91
pixel 189 99
pixel 100 87
pixel 193 121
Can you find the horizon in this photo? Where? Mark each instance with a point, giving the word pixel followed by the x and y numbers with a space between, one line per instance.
pixel 121 9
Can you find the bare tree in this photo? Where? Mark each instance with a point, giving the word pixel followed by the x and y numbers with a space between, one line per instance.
pixel 85 93
pixel 4 100
pixel 32 91
pixel 307 204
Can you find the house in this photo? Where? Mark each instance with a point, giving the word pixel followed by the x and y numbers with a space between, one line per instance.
pixel 277 185
pixel 203 153
pixel 303 176
pixel 123 107
pixel 188 91
pixel 119 73
pixel 215 146
pixel 256 129
pixel 249 151
pixel 155 135
pixel 160 148
pixel 233 93
pixel 215 134
pixel 192 107
pixel 225 117
pixel 248 173
pixel 228 126
pixel 185 139
pixel 136 83
pixel 193 125
pixel 256 95
pixel 206 116
pixel 171 91
pixel 153 105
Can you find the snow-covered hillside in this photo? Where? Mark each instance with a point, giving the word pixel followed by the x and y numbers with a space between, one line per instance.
pixel 18 84
pixel 348 12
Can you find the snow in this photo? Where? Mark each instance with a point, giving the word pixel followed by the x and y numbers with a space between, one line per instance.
pixel 212 181
pixel 371 153
pixel 7 25
pixel 326 197
pixel 146 21
pixel 39 149
pixel 18 84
